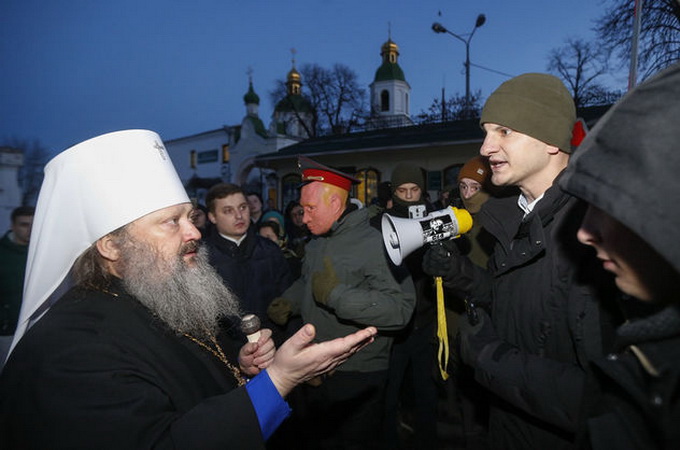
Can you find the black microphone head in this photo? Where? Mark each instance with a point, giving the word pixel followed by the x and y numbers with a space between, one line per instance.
pixel 250 324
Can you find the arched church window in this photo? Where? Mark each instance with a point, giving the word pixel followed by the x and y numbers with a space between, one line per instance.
pixel 384 101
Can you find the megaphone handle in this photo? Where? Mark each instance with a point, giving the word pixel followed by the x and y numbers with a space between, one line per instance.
pixel 442 332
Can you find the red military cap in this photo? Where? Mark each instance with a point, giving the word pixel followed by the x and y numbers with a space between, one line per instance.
pixel 313 171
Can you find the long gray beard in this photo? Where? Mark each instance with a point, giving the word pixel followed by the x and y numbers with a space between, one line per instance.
pixel 187 299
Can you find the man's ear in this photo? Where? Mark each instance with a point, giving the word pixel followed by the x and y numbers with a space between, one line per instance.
pixel 211 217
pixel 552 150
pixel 336 202
pixel 108 248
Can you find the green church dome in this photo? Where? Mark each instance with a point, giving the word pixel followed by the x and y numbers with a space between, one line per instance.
pixel 388 72
pixel 251 96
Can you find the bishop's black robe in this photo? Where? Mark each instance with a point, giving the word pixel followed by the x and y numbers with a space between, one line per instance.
pixel 99 371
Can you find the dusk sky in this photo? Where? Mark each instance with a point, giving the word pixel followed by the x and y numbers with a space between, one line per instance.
pixel 73 69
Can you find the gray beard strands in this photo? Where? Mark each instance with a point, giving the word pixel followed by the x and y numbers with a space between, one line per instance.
pixel 187 299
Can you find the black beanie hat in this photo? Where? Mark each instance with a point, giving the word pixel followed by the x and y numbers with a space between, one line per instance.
pixel 536 104
pixel 407 173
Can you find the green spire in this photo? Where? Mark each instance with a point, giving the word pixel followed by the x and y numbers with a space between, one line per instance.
pixel 251 96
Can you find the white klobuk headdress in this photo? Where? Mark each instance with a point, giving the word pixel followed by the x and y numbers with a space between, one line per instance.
pixel 90 190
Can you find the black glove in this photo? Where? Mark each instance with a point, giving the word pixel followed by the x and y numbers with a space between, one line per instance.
pixel 457 271
pixel 475 338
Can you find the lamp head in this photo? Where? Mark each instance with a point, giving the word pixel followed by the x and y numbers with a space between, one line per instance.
pixel 438 28
pixel 481 19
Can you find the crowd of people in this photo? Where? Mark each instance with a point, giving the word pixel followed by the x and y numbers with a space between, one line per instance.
pixel 561 301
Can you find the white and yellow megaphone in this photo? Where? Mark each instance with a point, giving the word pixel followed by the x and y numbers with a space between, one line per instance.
pixel 403 236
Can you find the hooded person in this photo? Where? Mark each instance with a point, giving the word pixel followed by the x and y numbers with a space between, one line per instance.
pixel 633 401
pixel 272 226
pixel 541 288
pixel 277 217
pixel 346 284
pixel 118 342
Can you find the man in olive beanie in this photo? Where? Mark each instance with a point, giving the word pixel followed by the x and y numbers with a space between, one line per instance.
pixel 534 104
pixel 541 287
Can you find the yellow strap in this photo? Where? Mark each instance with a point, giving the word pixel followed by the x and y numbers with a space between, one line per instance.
pixel 442 333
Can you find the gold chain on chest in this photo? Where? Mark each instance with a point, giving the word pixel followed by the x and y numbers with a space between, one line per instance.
pixel 219 354
pixel 216 351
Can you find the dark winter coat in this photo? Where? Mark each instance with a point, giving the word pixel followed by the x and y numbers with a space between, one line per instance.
pixel 12 269
pixel 367 293
pixel 98 371
pixel 634 393
pixel 628 168
pixel 545 309
pixel 256 271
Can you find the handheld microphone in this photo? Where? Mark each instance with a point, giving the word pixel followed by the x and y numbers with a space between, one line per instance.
pixel 250 325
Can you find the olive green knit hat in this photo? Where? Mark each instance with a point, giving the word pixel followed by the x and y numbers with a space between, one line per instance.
pixel 536 104
pixel 407 173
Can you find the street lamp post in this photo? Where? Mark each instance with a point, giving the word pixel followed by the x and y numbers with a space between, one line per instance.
pixel 439 28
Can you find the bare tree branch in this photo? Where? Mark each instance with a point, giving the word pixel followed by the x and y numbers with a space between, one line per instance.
pixel 580 64
pixel 659 43
pixel 454 108
pixel 338 101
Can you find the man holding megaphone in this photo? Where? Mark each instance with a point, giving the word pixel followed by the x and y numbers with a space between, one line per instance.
pixel 532 352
